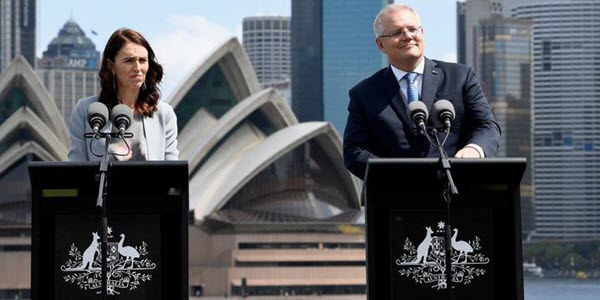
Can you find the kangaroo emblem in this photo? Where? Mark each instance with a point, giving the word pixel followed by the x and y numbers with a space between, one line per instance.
pixel 128 267
pixel 425 261
pixel 423 248
pixel 87 260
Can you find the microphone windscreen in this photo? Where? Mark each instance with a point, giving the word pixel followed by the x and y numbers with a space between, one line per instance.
pixel 97 112
pixel 415 107
pixel 121 115
pixel 440 107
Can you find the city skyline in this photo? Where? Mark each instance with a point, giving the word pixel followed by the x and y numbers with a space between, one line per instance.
pixel 272 208
pixel 184 33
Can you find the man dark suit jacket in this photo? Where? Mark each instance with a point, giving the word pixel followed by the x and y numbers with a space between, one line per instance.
pixel 378 124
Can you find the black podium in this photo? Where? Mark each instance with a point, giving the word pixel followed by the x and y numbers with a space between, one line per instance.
pixel 405 219
pixel 147 209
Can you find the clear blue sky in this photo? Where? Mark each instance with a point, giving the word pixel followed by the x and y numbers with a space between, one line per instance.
pixel 183 32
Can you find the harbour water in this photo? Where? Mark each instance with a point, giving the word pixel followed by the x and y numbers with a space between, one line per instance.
pixel 561 289
pixel 535 289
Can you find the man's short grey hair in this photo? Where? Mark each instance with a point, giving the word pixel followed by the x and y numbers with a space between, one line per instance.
pixel 378 23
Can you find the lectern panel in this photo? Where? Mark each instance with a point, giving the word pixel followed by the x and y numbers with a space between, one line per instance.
pixel 147 205
pixel 406 220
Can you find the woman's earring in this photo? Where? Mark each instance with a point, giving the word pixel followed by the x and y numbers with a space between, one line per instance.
pixel 114 83
pixel 144 86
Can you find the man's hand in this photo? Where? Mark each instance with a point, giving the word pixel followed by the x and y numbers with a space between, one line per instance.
pixel 467 152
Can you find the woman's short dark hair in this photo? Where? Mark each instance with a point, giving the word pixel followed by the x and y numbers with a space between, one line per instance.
pixel 147 101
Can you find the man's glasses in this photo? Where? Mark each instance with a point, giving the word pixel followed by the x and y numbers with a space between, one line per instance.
pixel 411 32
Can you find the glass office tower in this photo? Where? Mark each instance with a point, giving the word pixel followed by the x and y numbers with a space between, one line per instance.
pixel 566 119
pixel 504 64
pixel 333 48
pixel 498 48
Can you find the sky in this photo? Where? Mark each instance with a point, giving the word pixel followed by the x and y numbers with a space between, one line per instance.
pixel 183 32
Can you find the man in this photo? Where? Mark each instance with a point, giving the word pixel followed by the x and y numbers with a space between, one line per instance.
pixel 378 124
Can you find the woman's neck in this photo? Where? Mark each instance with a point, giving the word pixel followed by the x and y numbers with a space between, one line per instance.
pixel 128 97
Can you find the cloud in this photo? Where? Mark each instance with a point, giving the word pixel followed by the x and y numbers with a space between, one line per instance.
pixel 187 41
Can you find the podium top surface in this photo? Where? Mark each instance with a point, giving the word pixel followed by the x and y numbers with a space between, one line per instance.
pixel 150 175
pixel 509 170
pixel 60 164
pixel 428 161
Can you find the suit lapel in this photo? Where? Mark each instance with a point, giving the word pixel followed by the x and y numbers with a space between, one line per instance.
pixel 431 78
pixel 396 99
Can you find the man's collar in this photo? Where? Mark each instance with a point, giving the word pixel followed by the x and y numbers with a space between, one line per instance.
pixel 399 73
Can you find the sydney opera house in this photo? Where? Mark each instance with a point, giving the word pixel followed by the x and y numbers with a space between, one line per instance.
pixel 272 209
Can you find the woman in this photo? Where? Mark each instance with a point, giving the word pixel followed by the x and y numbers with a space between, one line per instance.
pixel 129 75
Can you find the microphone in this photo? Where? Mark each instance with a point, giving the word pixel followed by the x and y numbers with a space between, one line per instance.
pixel 443 110
pixel 418 114
pixel 121 116
pixel 97 115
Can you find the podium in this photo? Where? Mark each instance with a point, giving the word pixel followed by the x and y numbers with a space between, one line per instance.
pixel 405 216
pixel 147 209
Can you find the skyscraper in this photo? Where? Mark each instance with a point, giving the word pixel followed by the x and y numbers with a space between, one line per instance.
pixel 566 102
pixel 332 50
pixel 468 15
pixel 17 31
pixel 267 41
pixel 504 59
pixel 69 68
pixel 498 48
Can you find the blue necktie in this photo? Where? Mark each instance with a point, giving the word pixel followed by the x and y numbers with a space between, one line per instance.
pixel 411 88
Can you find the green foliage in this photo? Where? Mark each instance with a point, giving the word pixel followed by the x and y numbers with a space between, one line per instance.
pixel 563 255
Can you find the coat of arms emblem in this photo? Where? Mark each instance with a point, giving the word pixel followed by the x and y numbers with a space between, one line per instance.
pixel 127 266
pixel 426 263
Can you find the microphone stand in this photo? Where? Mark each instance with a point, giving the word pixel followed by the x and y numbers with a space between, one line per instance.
pixel 101 204
pixel 449 192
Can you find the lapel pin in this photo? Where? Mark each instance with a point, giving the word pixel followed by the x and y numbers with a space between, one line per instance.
pixel 434 71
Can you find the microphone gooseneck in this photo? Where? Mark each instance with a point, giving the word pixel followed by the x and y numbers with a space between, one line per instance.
pixel 443 115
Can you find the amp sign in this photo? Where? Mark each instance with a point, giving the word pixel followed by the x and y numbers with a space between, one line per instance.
pixel 77 63
pixel 81 63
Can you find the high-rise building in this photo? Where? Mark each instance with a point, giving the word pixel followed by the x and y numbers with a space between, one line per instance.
pixel 267 42
pixel 69 68
pixel 332 50
pixel 566 98
pixel 17 31
pixel 498 48
pixel 468 15
pixel 504 60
